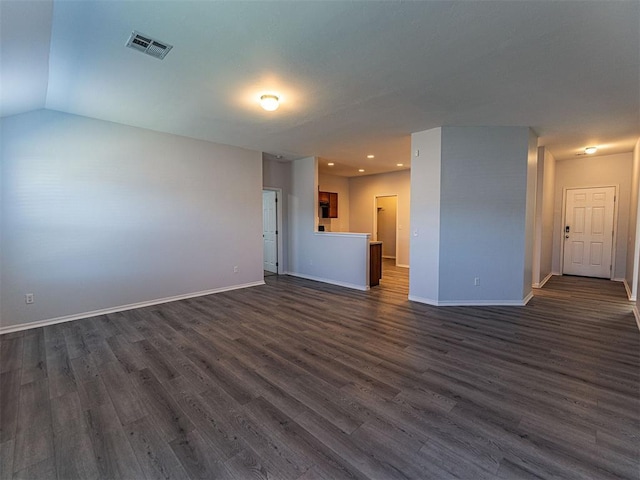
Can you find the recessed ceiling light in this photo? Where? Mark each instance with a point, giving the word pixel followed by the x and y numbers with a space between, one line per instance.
pixel 269 102
pixel 371 156
pixel 331 164
pixel 399 164
pixel 590 150
pixel 361 170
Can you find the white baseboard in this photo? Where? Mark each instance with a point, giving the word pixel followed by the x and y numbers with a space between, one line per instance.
pixel 630 295
pixel 121 308
pixel 544 280
pixel 472 303
pixel 618 279
pixel 402 265
pixel 332 282
pixel 428 301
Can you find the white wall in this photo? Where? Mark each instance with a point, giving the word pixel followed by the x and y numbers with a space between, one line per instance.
pixel 338 258
pixel 543 242
pixel 363 191
pixel 530 220
pixel 593 171
pixel 339 185
pixel 486 214
pixel 277 174
pixel 97 215
pixel 632 277
pixel 425 216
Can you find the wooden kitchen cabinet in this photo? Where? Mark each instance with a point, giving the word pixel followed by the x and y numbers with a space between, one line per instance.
pixel 375 263
pixel 328 204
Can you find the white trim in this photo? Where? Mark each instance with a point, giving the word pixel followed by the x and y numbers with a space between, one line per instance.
pixel 636 314
pixel 121 308
pixel 618 279
pixel 279 226
pixel 630 294
pixel 428 301
pixel 402 265
pixel 388 256
pixel 544 280
pixel 614 240
pixel 473 303
pixel 332 282
pixel 341 234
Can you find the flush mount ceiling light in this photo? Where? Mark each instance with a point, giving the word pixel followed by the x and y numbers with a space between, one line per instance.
pixel 590 150
pixel 331 164
pixel 371 156
pixel 269 102
pixel 399 164
pixel 361 170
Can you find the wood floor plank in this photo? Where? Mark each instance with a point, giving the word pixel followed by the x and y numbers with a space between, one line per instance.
pixel 212 423
pixel 34 360
pixel 11 354
pixel 32 446
pixel 155 457
pixel 6 459
pixel 59 370
pixel 9 403
pixel 165 412
pixel 193 451
pixel 44 470
pixel 296 437
pixel 122 392
pixel 114 456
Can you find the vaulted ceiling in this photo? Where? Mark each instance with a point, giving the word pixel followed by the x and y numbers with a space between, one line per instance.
pixel 355 78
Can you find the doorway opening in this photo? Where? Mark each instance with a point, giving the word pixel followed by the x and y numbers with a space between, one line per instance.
pixel 272 250
pixel 386 226
pixel 589 231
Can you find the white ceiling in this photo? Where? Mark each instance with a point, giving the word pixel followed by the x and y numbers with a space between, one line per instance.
pixel 355 77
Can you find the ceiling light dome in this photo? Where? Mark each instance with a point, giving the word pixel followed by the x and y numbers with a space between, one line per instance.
pixel 269 102
pixel 590 150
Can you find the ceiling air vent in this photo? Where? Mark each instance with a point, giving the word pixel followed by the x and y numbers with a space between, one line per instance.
pixel 148 45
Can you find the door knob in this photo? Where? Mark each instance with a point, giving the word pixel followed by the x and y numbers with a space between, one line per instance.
pixel 566 236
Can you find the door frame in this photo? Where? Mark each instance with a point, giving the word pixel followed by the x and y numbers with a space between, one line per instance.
pixel 279 248
pixel 616 194
pixel 375 220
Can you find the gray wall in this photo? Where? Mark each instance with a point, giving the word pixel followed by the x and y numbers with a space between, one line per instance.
pixel 594 171
pixel 484 214
pixel 97 215
pixel 425 216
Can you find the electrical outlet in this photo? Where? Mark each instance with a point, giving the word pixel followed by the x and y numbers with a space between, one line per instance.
pixel 28 298
pixel 235 269
pixel 476 281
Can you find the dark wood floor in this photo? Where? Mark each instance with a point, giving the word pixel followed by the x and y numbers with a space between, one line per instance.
pixel 303 380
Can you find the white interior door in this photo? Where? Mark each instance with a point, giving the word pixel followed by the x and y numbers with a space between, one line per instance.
pixel 269 231
pixel 588 231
